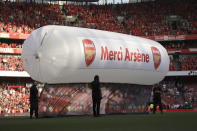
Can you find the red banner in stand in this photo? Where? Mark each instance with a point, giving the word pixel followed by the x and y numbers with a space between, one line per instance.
pixel 156 38
pixel 183 51
pixel 11 50
pixel 14 36
pixel 170 38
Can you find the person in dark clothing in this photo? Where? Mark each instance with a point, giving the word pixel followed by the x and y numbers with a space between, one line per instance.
pixel 96 96
pixel 157 98
pixel 33 100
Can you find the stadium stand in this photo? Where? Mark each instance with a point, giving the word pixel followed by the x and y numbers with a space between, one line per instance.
pixel 179 97
pixel 188 62
pixel 25 17
pixel 158 18
pixel 10 45
pixel 11 63
pixel 14 98
pixel 141 19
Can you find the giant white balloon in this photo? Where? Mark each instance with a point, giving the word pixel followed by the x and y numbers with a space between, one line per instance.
pixel 61 54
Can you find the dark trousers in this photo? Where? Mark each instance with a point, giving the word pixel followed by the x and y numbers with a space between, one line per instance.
pixel 34 107
pixel 96 107
pixel 157 102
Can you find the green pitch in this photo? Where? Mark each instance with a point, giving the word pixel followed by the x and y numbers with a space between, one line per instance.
pixel 169 121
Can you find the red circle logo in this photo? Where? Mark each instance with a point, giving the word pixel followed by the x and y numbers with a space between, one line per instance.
pixel 90 51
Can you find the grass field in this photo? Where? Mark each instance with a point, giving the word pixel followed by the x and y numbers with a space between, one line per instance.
pixel 169 121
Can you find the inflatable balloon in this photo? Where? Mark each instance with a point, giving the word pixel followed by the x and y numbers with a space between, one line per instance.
pixel 61 54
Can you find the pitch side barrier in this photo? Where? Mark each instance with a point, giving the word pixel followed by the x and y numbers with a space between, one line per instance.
pixel 76 99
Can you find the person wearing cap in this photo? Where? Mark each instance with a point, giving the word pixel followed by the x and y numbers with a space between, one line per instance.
pixel 33 100
pixel 157 98
pixel 96 96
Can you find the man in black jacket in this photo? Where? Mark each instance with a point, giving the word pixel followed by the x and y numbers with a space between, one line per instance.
pixel 33 100
pixel 96 96
pixel 157 98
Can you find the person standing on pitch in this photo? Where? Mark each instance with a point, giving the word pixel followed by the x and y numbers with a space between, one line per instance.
pixel 157 98
pixel 33 100
pixel 96 96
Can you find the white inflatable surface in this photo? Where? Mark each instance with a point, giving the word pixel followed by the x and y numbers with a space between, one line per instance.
pixel 61 54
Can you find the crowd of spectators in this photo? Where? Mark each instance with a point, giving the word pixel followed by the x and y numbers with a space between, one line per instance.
pixel 141 19
pixel 146 19
pixel 172 66
pixel 170 94
pixel 96 17
pixel 179 45
pixel 14 99
pixel 190 94
pixel 183 63
pixel 176 45
pixel 179 96
pixel 186 9
pixel 22 17
pixel 188 62
pixel 11 63
pixel 10 45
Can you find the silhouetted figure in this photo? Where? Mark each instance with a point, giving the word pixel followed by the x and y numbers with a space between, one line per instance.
pixel 96 96
pixel 157 98
pixel 33 100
